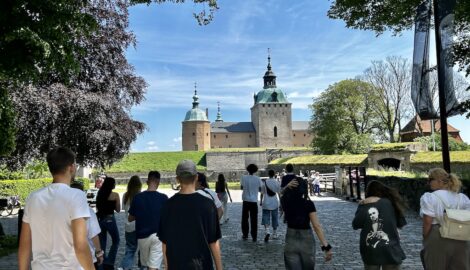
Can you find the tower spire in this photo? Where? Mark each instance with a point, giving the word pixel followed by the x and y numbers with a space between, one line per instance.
pixel 195 97
pixel 269 77
pixel 219 115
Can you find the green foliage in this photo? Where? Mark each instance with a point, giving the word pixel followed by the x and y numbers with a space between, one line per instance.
pixel 404 174
pixel 161 161
pixel 454 145
pixel 36 169
pixel 343 119
pixel 6 174
pixel 462 157
pixel 391 147
pixel 24 187
pixel 8 245
pixel 323 160
pixel 7 124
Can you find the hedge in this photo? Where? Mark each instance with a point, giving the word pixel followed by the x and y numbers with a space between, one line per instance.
pixel 24 187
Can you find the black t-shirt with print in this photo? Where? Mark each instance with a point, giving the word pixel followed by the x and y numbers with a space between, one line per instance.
pixel 297 212
pixel 188 224
pixel 379 241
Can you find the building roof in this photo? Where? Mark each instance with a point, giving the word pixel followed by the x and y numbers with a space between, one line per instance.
pixel 300 125
pixel 416 125
pixel 196 114
pixel 268 95
pixel 230 127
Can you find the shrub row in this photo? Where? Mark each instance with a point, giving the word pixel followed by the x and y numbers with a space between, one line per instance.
pixel 24 187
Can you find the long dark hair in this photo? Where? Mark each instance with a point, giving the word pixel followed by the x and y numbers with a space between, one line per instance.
pixel 378 189
pixel 220 185
pixel 133 187
pixel 298 193
pixel 201 178
pixel 103 194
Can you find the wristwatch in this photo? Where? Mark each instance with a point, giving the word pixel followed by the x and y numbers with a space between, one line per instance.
pixel 327 248
pixel 99 253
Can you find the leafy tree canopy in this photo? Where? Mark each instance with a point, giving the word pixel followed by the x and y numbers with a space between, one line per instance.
pixel 454 145
pixel 343 120
pixel 397 16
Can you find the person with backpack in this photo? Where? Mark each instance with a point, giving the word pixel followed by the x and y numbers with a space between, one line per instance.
pixel 379 217
pixel 202 187
pixel 441 252
pixel 223 193
pixel 270 205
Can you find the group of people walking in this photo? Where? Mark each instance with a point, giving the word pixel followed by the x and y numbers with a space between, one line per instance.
pixel 60 231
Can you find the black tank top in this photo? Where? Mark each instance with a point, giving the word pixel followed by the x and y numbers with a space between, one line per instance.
pixel 106 208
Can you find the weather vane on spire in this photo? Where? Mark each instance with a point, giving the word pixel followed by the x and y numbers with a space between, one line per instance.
pixel 195 88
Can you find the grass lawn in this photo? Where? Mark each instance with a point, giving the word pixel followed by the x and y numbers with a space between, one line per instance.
pixel 404 174
pixel 8 245
pixel 161 161
pixel 436 157
pixel 391 146
pixel 323 160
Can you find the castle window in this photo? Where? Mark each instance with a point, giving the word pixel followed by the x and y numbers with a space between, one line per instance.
pixel 286 105
pixel 194 134
pixel 226 136
pixel 304 135
pixel 275 131
pixel 303 145
pixel 229 146
pixel 249 145
pixel 249 135
pixel 196 147
pixel 214 136
pixel 282 113
pixel 207 134
pixel 269 105
pixel 294 134
pixel 274 105
pixel 263 105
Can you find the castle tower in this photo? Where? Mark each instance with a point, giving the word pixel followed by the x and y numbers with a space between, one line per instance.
pixel 196 128
pixel 271 113
pixel 219 115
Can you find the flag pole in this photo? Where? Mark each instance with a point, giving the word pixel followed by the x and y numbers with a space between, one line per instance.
pixel 442 94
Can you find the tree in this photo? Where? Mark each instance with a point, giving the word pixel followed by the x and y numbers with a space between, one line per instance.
pixel 343 119
pixel 91 113
pixel 454 145
pixel 398 16
pixel 391 80
pixel 7 127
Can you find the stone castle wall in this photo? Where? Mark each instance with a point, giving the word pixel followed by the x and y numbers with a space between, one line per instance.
pixel 233 140
pixel 301 138
pixel 267 116
pixel 196 135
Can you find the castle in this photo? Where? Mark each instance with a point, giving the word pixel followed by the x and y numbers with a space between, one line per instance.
pixel 271 124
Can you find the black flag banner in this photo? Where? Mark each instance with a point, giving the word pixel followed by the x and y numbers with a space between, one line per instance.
pixel 446 27
pixel 420 90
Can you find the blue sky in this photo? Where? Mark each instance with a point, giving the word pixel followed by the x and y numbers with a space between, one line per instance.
pixel 227 59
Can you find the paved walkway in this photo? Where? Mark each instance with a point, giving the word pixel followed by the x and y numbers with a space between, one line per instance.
pixel 335 215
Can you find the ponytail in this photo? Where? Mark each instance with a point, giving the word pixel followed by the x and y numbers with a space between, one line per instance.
pixel 453 182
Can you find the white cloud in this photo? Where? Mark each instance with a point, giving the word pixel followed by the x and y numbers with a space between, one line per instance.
pixel 178 139
pixel 151 143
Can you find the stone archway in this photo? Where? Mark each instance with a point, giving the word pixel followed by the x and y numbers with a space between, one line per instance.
pixel 389 163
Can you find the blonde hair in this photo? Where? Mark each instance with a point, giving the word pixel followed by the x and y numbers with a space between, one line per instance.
pixel 451 180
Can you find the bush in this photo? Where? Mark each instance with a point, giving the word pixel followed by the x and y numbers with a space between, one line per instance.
pixel 24 187
pixel 8 245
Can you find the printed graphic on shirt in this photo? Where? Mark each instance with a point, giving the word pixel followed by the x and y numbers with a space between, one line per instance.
pixel 376 236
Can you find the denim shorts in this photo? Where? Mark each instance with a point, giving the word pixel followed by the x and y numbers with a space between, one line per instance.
pixel 270 215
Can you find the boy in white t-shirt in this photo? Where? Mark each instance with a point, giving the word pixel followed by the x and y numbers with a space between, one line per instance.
pixel 65 245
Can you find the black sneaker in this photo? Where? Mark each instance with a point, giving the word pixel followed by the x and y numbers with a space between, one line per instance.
pixel 245 237
pixel 266 237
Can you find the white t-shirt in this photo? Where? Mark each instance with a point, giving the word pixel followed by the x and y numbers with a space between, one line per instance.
pixel 213 196
pixel 316 180
pixel 93 228
pixel 432 206
pixel 251 186
pixel 49 212
pixel 270 202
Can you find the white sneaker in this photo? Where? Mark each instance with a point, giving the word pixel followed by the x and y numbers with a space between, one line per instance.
pixel 275 235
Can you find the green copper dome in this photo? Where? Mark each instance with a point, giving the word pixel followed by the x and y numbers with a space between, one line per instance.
pixel 270 95
pixel 196 114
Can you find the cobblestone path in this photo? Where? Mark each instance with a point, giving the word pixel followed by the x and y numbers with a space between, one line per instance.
pixel 335 216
